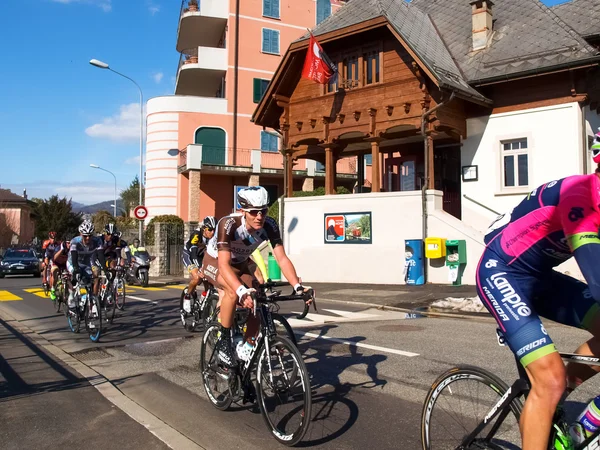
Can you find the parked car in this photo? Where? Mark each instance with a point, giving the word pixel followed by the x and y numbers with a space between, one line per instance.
pixel 20 261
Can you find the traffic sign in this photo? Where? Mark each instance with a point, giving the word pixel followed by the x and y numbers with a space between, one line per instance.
pixel 140 212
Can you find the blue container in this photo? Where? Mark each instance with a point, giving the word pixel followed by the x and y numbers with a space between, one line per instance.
pixel 415 262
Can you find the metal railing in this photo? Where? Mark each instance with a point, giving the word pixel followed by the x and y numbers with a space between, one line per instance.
pixel 481 204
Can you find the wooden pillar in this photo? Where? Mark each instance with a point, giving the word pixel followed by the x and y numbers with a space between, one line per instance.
pixel 329 171
pixel 376 167
pixel 289 166
pixel 430 163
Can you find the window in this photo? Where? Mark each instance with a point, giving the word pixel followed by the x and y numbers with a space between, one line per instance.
pixel 271 9
pixel 269 142
pixel 515 163
pixel 369 159
pixel 260 87
pixel 320 167
pixel 323 10
pixel 270 41
pixel 357 68
pixel 371 69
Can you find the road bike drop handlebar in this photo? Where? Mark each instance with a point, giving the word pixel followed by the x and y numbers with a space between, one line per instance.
pixel 277 297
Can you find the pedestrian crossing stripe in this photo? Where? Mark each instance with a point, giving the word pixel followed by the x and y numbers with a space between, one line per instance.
pixel 6 296
pixel 36 291
pixel 176 286
pixel 340 316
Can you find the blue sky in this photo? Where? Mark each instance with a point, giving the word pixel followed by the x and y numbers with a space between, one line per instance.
pixel 58 114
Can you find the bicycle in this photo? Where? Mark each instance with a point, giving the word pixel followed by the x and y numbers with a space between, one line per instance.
pixel 108 298
pixel 87 309
pixel 46 276
pixel 274 361
pixel 504 402
pixel 63 280
pixel 120 292
pixel 204 309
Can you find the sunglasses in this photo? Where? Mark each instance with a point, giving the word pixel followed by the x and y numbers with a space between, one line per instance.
pixel 209 229
pixel 254 212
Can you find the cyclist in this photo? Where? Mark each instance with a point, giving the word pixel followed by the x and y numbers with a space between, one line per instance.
pixel 50 242
pixel 226 263
pixel 81 250
pixel 517 284
pixel 193 253
pixel 108 253
pixel 58 264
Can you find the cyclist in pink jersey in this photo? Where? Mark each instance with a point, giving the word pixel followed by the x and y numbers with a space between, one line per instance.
pixel 517 284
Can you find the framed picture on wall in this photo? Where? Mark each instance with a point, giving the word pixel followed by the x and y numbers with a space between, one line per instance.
pixel 470 173
pixel 348 228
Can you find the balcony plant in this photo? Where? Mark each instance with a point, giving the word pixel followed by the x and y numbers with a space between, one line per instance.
pixel 193 5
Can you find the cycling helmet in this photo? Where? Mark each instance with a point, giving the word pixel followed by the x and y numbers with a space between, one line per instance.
pixel 596 148
pixel 52 234
pixel 255 197
pixel 111 229
pixel 86 228
pixel 209 222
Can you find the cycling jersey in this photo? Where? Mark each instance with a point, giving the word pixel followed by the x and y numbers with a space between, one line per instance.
pixel 515 279
pixel 110 250
pixel 61 254
pixel 51 250
pixel 194 249
pixel 80 255
pixel 232 235
pixel 45 244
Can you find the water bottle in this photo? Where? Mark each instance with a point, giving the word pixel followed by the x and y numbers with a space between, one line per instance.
pixel 237 341
pixel 83 300
pixel 587 423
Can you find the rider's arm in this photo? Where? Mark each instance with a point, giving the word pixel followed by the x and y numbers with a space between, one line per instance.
pixel 74 257
pixel 580 219
pixel 100 256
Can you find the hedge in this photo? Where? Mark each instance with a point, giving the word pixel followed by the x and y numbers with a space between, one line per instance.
pixel 176 231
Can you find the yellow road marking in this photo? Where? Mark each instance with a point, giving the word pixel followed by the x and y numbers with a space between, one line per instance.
pixel 36 291
pixel 152 289
pixel 6 296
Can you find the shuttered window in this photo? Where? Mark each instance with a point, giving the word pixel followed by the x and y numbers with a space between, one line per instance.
pixel 270 41
pixel 271 9
pixel 259 89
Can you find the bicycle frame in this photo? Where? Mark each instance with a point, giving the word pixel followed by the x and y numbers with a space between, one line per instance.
pixel 521 387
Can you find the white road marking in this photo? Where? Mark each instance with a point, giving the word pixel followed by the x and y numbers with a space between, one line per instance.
pixel 358 344
pixel 140 299
pixel 352 314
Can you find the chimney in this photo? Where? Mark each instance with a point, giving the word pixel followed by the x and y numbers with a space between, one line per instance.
pixel 482 22
pixel 25 194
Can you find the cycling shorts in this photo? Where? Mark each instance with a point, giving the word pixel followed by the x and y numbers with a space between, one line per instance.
pixel 90 271
pixel 517 299
pixel 189 263
pixel 242 270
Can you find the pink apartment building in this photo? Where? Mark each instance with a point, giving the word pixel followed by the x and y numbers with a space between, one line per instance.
pixel 195 153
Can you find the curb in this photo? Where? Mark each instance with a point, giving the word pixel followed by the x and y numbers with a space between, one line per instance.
pixel 162 431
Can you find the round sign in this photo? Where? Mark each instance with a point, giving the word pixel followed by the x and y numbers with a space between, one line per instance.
pixel 140 212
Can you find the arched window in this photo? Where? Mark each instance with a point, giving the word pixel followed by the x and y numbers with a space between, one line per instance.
pixel 323 10
pixel 213 144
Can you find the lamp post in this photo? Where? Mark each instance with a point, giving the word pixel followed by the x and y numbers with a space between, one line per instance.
pixel 95 166
pixel 103 65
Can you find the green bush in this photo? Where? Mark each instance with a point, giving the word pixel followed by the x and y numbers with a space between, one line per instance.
pixel 177 230
pixel 274 209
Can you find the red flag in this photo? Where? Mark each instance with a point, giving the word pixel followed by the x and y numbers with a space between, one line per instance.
pixel 317 66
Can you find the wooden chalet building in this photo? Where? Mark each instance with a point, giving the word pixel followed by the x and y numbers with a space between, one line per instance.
pixel 418 86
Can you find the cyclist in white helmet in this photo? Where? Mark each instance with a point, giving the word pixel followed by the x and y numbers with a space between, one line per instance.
pixel 81 250
pixel 226 265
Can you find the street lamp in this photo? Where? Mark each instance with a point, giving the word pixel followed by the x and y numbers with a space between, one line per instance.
pixel 95 166
pixel 103 65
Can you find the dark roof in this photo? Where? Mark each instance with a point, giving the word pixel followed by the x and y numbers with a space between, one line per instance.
pixel 8 197
pixel 528 36
pixel 417 30
pixel 581 15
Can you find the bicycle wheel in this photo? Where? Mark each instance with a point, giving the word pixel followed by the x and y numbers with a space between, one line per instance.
pixel 457 403
pixel 120 294
pixel 283 390
pixel 209 310
pixel 93 318
pixel 189 320
pixel 219 387
pixel 283 327
pixel 59 294
pixel 110 304
pixel 74 317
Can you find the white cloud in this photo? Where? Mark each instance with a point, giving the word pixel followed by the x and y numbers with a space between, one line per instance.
pixel 153 9
pixel 158 76
pixel 134 160
pixel 105 5
pixel 121 127
pixel 84 192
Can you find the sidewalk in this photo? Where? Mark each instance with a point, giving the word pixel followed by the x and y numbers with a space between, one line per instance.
pixel 391 295
pixel 45 405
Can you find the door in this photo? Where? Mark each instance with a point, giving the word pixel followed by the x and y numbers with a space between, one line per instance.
pixel 213 145
pixel 401 174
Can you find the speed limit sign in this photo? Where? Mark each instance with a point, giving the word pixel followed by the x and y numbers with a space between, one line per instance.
pixel 140 212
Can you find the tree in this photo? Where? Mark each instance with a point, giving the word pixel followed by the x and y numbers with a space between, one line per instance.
pixel 56 214
pixel 100 219
pixel 130 197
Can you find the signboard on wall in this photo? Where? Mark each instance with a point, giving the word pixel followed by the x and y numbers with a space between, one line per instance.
pixel 236 189
pixel 348 228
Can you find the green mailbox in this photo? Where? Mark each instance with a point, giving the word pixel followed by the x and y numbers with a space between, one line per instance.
pixel 456 259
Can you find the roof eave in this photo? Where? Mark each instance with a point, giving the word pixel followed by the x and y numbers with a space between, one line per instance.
pixel 465 95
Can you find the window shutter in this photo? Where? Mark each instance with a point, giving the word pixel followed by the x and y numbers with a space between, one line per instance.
pixel 275 42
pixel 275 8
pixel 264 140
pixel 267 7
pixel 266 45
pixel 323 10
pixel 257 91
pixel 274 143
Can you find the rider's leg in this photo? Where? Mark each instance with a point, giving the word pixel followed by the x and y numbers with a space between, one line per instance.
pixel 194 280
pixel 228 302
pixel 548 382
pixel 53 271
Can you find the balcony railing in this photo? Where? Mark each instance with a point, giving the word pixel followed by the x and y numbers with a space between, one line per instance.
pixel 195 156
pixel 205 23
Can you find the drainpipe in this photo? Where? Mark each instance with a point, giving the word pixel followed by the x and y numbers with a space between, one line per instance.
pixel 585 141
pixel 427 169
pixel 235 80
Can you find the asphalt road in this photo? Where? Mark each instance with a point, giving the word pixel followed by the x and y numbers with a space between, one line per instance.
pixel 370 369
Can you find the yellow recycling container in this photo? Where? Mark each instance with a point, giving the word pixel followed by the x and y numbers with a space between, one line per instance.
pixel 435 247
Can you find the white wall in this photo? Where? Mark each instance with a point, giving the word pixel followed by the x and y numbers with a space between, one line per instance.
pixel 555 141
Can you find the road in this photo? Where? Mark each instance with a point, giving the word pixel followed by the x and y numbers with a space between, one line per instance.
pixel 370 369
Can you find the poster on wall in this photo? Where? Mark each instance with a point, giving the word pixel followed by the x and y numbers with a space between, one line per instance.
pixel 348 228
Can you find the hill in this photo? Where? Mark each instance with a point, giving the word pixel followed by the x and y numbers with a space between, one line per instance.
pixel 91 209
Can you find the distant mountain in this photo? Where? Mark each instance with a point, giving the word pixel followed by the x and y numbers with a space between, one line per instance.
pixel 91 209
